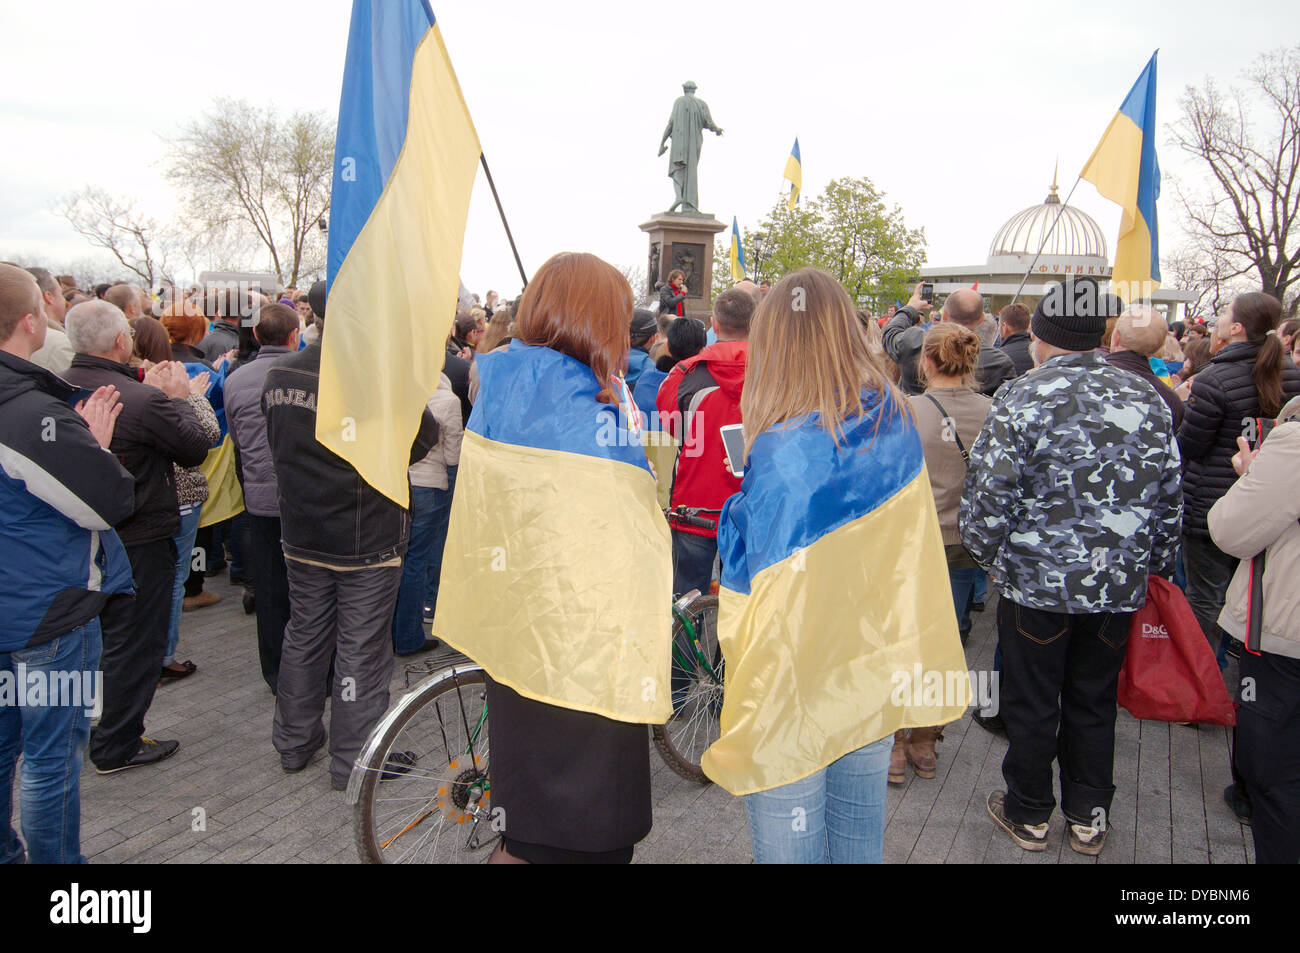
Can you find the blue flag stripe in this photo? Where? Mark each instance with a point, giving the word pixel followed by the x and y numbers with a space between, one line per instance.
pixel 802 487
pixel 373 111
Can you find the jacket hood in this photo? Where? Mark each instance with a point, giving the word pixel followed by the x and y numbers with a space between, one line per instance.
pixel 726 361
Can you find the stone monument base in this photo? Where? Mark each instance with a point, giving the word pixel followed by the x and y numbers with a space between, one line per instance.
pixel 683 241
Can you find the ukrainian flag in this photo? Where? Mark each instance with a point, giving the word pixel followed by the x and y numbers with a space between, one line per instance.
pixel 557 571
pixel 1124 169
pixel 737 253
pixel 404 165
pixel 794 173
pixel 835 614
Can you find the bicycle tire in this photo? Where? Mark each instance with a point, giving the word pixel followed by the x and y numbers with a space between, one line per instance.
pixel 696 720
pixel 443 795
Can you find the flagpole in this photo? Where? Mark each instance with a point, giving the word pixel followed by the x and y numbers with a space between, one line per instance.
pixel 1043 244
pixel 492 185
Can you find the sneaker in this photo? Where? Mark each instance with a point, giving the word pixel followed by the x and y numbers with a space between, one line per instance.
pixel 1028 836
pixel 1238 802
pixel 1086 839
pixel 149 752
pixel 977 607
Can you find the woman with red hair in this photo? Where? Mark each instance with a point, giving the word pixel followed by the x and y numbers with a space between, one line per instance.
pixel 563 575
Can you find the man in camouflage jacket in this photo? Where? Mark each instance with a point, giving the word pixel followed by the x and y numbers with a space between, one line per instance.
pixel 1072 497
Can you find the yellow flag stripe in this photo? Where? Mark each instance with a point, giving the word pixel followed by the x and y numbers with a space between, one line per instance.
pixel 393 300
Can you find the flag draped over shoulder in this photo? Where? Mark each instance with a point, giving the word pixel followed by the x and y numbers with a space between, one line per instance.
pixel 557 571
pixel 794 173
pixel 835 612
pixel 737 253
pixel 1124 169
pixel 404 165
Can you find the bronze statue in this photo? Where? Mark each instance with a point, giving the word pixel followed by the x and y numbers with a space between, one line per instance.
pixel 686 128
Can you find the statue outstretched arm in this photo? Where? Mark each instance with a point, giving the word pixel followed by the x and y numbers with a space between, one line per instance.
pixel 708 120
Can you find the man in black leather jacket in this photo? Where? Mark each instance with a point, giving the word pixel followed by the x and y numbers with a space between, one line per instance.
pixel 343 545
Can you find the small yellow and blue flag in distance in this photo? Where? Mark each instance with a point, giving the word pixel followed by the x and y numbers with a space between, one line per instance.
pixel 737 253
pixel 794 174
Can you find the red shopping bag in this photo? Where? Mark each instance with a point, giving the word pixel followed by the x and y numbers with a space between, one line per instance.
pixel 1170 673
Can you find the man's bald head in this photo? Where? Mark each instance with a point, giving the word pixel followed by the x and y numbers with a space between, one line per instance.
pixel 748 287
pixel 126 298
pixel 19 297
pixel 965 307
pixel 1140 329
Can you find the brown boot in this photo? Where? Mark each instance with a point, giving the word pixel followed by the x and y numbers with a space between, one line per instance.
pixel 920 751
pixel 898 758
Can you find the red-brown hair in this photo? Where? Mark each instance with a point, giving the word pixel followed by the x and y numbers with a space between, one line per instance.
pixel 581 306
pixel 184 322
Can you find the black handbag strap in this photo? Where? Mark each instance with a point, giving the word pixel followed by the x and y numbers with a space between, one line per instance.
pixel 951 425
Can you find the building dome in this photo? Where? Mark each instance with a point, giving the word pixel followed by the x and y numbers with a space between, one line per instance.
pixel 1076 235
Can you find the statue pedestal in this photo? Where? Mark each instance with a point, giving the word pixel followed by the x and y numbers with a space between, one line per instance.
pixel 685 242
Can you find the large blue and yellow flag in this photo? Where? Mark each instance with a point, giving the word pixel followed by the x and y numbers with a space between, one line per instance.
pixel 404 165
pixel 835 614
pixel 794 173
pixel 737 253
pixel 557 571
pixel 1124 169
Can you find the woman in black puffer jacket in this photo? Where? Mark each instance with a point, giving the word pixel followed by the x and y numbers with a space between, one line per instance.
pixel 1250 378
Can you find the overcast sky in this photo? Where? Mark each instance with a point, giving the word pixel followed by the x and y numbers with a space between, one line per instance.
pixel 956 110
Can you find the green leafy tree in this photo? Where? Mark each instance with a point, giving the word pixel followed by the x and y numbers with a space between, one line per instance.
pixel 847 230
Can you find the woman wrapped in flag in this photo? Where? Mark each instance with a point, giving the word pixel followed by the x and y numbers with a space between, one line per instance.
pixel 557 573
pixel 834 611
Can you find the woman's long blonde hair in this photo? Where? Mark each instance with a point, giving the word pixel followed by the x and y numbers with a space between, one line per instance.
pixel 808 354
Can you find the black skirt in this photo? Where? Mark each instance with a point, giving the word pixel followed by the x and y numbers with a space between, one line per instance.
pixel 567 782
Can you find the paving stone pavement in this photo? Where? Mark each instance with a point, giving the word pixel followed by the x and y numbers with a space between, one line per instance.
pixel 1168 808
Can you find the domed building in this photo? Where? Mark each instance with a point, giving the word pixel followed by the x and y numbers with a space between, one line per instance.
pixel 1075 246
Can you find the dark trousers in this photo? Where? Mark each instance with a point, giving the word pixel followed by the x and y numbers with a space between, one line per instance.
pixel 1059 676
pixel 348 612
pixel 135 642
pixel 203 543
pixel 1266 754
pixel 693 558
pixel 271 581
pixel 1209 570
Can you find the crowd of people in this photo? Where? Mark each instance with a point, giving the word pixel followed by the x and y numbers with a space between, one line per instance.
pixel 1059 455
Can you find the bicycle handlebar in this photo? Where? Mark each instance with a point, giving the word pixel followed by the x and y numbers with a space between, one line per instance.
pixel 687 515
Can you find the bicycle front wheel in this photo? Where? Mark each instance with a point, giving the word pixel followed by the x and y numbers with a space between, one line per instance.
pixel 696 678
pixel 420 790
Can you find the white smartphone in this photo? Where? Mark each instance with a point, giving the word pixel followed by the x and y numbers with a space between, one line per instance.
pixel 733 441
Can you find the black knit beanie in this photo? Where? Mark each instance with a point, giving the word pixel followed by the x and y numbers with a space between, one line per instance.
pixel 1072 316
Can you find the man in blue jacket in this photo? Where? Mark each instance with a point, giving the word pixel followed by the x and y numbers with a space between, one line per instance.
pixel 61 492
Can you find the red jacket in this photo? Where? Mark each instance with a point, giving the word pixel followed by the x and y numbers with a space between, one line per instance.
pixel 700 396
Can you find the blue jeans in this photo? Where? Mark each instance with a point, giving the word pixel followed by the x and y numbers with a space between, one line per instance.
pixel 964 583
pixel 430 509
pixel 693 558
pixel 52 740
pixel 439 542
pixel 981 586
pixel 184 541
pixel 835 816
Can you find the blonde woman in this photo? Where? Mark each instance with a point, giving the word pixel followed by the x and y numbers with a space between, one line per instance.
pixel 834 606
